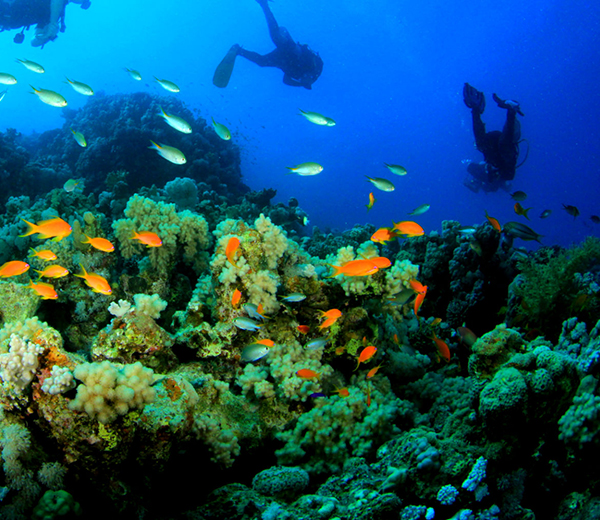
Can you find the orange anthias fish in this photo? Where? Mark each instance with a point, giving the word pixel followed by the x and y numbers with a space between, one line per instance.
pixel 342 392
pixel 232 247
pixel 55 228
pixel 266 342
pixel 53 271
pixel 381 261
pixel 442 347
pixel 419 300
pixel 373 371
pixel 99 243
pixel 45 290
pixel 360 267
pixel 520 210
pixel 97 283
pixel 494 222
pixel 383 235
pixel 148 238
pixel 45 254
pixel 303 329
pixel 332 316
pixel 307 373
pixel 372 201
pixel 409 229
pixel 417 286
pixel 365 354
pixel 235 298
pixel 13 268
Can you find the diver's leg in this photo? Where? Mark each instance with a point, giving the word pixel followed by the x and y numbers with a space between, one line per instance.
pixel 478 130
pixel 262 60
pixel 509 144
pixel 279 35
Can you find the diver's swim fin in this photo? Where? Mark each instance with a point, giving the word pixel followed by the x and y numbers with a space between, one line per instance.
pixel 508 104
pixel 474 99
pixel 225 68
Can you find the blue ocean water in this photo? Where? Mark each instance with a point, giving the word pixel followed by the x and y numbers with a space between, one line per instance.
pixel 392 79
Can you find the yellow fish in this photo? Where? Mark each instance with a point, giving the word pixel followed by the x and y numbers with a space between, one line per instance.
pixel 170 153
pixel 134 74
pixel 167 85
pixel 81 88
pixel 32 66
pixel 50 97
pixel 176 122
pixel 7 79
pixel 307 168
pixel 317 119
pixel 222 131
pixel 79 139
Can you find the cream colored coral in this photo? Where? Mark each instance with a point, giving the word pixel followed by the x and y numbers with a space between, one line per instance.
pixel 111 389
pixel 274 240
pixel 185 229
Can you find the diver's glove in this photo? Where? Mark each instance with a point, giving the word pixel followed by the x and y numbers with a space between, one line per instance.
pixel 509 104
pixel 474 99
pixel 45 34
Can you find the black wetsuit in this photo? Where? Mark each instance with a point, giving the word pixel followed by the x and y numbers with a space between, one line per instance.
pixel 500 149
pixel 301 66
pixel 24 13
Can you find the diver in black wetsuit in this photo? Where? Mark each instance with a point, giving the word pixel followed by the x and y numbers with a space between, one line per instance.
pixel 301 65
pixel 500 149
pixel 47 15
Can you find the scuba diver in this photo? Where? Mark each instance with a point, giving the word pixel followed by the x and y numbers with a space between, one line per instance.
pixel 47 15
pixel 500 149
pixel 301 65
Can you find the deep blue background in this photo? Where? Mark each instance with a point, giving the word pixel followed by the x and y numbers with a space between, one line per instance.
pixel 392 80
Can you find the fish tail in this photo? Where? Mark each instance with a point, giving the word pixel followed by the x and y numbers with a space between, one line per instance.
pixel 154 146
pixel 337 269
pixel 83 274
pixel 33 228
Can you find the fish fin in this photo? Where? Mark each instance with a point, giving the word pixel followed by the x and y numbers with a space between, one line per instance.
pixel 31 229
pixel 336 270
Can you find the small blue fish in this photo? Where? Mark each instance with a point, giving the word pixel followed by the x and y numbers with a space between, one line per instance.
pixel 317 343
pixel 254 352
pixel 246 324
pixel 294 297
pixel 252 310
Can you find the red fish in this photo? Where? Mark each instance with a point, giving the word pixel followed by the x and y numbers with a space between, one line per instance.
pixel 365 354
pixel 442 347
pixel 419 300
pixel 373 371
pixel 303 329
pixel 494 222
pixel 307 373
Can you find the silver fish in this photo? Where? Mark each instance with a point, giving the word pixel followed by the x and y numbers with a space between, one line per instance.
pixel 254 352
pixel 246 324
pixel 317 343
pixel 294 297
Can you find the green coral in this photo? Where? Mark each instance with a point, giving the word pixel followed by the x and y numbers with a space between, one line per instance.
pixel 551 291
